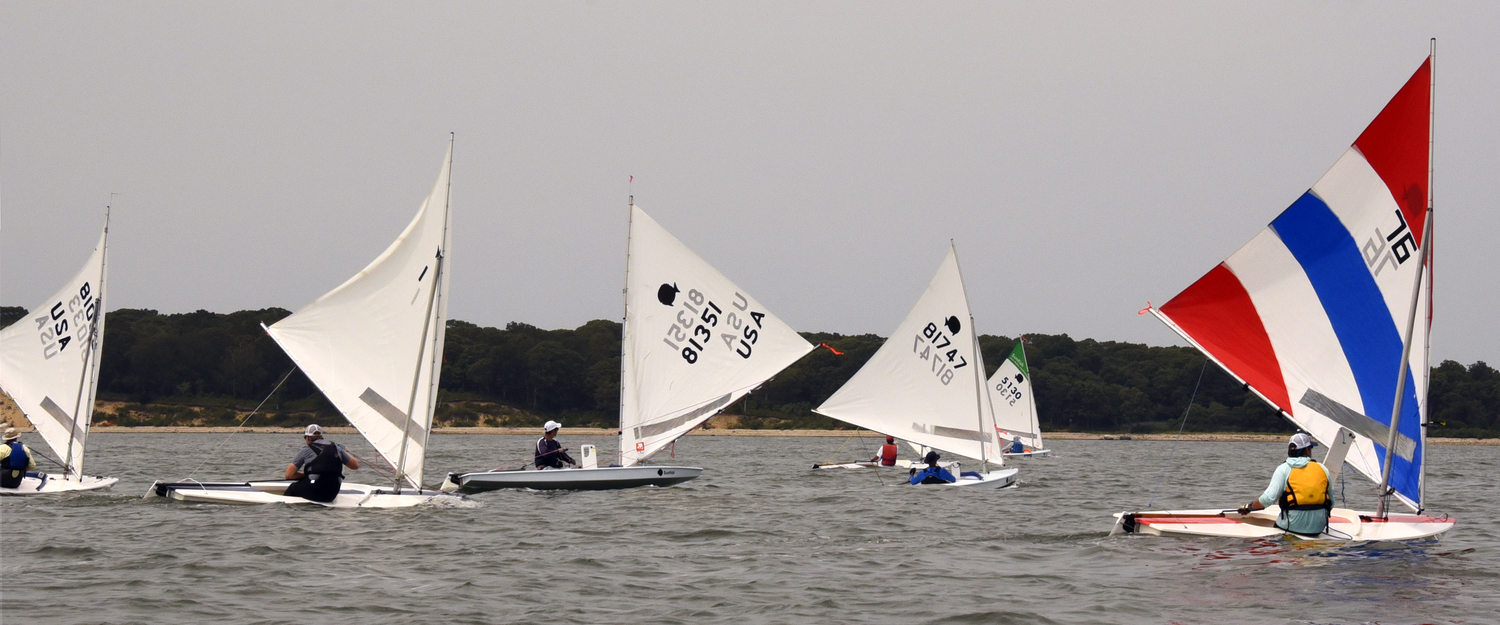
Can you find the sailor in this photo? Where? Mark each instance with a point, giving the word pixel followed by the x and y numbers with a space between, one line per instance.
pixel 1015 447
pixel 1301 487
pixel 933 474
pixel 318 468
pixel 888 453
pixel 17 461
pixel 550 454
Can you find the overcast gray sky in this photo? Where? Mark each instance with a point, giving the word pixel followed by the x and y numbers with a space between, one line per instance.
pixel 1086 157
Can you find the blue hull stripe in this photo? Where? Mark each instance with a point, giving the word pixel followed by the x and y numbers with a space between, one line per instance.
pixel 1357 310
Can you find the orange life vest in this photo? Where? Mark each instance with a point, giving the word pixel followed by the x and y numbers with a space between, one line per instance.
pixel 888 454
pixel 1306 488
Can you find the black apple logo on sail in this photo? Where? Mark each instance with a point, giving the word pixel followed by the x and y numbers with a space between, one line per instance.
pixel 953 325
pixel 667 294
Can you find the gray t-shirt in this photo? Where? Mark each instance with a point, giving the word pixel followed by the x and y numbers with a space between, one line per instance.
pixel 307 454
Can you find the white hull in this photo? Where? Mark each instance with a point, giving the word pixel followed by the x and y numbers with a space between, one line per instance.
pixel 994 479
pixel 1343 525
pixel 1039 452
pixel 903 465
pixel 43 484
pixel 599 478
pixel 350 495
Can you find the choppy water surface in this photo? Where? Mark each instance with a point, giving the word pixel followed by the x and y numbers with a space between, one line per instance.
pixel 760 538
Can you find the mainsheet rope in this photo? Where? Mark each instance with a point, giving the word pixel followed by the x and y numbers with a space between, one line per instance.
pixel 1173 451
pixel 215 451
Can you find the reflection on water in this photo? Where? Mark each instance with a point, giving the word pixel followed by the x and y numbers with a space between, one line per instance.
pixel 759 538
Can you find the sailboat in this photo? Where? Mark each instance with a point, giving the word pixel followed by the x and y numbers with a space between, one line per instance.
pixel 1325 316
pixel 49 365
pixel 1015 406
pixel 374 347
pixel 693 344
pixel 926 383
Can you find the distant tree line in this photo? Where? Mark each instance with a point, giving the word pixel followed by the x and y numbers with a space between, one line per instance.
pixel 208 368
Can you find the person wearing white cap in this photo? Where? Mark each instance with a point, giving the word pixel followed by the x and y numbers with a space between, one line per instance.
pixel 318 467
pixel 1301 487
pixel 18 458
pixel 550 454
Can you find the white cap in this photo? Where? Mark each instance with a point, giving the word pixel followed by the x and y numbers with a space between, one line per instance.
pixel 1301 440
pixel 550 426
pixel 313 430
pixel 10 435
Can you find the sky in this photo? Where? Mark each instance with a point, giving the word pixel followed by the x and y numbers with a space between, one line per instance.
pixel 1084 157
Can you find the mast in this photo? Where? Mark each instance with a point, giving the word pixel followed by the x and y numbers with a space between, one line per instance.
pixel 1411 318
pixel 1036 422
pixel 90 372
pixel 432 300
pixel 625 320
pixel 979 382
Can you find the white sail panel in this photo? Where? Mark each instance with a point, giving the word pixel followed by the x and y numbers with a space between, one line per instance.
pixel 49 361
pixel 694 342
pixel 374 344
pixel 1014 404
pixel 922 385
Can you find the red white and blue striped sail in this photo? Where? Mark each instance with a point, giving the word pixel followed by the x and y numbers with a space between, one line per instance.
pixel 1312 312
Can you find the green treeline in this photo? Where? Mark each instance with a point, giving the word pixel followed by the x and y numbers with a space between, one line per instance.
pixel 210 369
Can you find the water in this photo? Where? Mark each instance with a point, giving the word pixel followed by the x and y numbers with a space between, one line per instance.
pixel 760 538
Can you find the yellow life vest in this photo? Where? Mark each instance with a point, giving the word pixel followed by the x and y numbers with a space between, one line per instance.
pixel 1306 488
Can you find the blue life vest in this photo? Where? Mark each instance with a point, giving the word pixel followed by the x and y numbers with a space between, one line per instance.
pixel 17 459
pixel 932 475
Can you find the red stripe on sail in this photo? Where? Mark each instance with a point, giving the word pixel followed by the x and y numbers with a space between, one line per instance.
pixel 1218 313
pixel 1396 145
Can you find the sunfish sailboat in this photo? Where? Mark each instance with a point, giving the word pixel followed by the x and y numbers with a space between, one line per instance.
pixel 49 365
pixel 1325 316
pixel 926 383
pixel 694 343
pixel 1015 406
pixel 374 347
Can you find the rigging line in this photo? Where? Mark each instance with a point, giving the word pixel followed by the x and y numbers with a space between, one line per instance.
pixel 1173 451
pixel 213 452
pixel 877 467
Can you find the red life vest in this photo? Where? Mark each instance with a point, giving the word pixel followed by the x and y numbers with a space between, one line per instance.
pixel 888 454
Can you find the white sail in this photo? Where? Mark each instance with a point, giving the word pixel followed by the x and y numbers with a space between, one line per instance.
pixel 1015 406
pixel 694 343
pixel 49 361
pixel 374 344
pixel 923 384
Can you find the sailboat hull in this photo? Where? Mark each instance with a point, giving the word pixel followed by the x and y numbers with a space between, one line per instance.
pixel 600 478
pixel 1027 454
pixel 249 493
pixel 994 479
pixel 1343 525
pixel 42 484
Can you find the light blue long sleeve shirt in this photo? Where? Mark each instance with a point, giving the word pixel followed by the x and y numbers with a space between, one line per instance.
pixel 1299 521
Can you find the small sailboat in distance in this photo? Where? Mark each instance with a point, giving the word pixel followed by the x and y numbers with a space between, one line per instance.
pixel 374 347
pixel 926 383
pixel 49 365
pixel 1015 406
pixel 693 344
pixel 1325 315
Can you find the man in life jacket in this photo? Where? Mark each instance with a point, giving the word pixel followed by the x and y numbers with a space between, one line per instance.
pixel 1015 447
pixel 889 452
pixel 933 474
pixel 550 454
pixel 318 468
pixel 1301 487
pixel 17 461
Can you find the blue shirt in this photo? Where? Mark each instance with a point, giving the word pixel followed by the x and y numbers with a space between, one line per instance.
pixel 938 472
pixel 1299 521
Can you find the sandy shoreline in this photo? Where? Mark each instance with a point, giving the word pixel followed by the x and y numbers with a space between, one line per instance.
pixel 1218 437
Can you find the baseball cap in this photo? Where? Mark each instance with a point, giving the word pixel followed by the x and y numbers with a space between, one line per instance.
pixel 313 430
pixel 551 425
pixel 1301 440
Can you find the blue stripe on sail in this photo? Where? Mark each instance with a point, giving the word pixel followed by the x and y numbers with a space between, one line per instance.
pixel 1359 316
